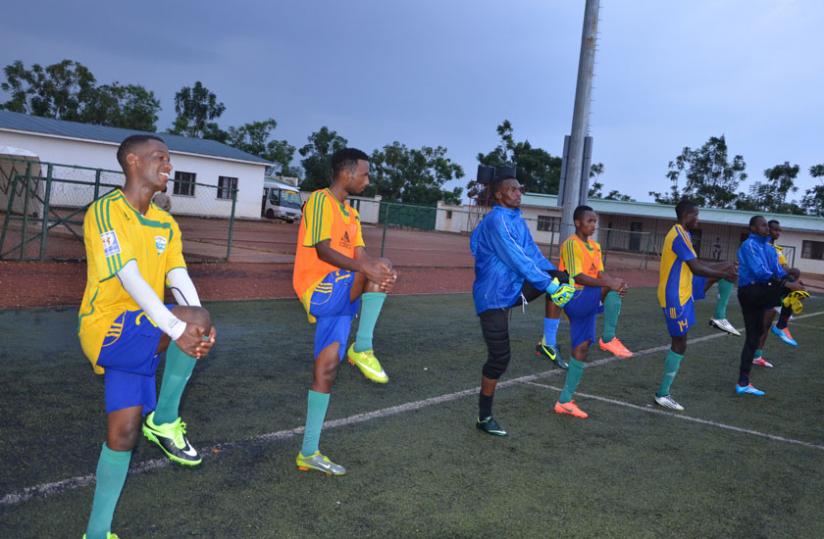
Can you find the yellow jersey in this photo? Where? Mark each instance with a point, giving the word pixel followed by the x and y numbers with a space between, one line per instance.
pixel 114 233
pixel 579 257
pixel 324 218
pixel 675 276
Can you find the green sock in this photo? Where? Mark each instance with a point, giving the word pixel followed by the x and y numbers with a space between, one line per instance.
pixel 371 305
pixel 671 365
pixel 111 475
pixel 612 308
pixel 573 376
pixel 724 292
pixel 179 367
pixel 758 353
pixel 317 404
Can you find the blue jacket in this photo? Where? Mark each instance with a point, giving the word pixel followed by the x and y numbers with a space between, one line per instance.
pixel 758 262
pixel 505 256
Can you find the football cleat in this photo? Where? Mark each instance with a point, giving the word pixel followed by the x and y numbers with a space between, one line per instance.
pixel 761 362
pixel 368 364
pixel 668 402
pixel 552 353
pixel 171 439
pixel 109 535
pixel 490 426
pixel 570 408
pixel 748 390
pixel 784 335
pixel 615 347
pixel 724 325
pixel 319 463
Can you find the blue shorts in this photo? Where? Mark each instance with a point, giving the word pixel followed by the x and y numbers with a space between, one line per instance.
pixel 698 284
pixel 331 305
pixel 582 310
pixel 129 356
pixel 680 318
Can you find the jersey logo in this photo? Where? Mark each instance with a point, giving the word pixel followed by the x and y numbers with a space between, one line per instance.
pixel 160 244
pixel 110 245
pixel 345 241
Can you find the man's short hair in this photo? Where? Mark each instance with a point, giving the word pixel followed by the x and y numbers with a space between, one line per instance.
pixel 773 222
pixel 683 207
pixel 755 218
pixel 129 143
pixel 346 158
pixel 580 211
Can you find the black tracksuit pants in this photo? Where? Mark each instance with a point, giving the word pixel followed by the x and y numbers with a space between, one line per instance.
pixel 755 300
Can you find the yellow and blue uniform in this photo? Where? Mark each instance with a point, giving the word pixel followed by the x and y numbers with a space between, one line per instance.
pixel 116 336
pixel 323 289
pixel 779 251
pixel 678 288
pixel 579 257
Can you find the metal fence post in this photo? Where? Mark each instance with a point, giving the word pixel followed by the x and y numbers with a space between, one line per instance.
pixel 231 225
pixel 9 208
pixel 385 224
pixel 25 209
pixel 96 185
pixel 44 231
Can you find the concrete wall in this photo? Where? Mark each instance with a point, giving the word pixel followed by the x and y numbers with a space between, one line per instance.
pixel 102 155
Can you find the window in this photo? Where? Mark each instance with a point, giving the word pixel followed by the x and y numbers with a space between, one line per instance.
pixel 547 223
pixel 449 214
pixel 812 249
pixel 184 184
pixel 226 186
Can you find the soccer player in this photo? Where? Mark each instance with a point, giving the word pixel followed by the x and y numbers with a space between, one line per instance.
pixel 581 258
pixel 333 277
pixel 132 249
pixel 682 280
pixel 762 282
pixel 509 271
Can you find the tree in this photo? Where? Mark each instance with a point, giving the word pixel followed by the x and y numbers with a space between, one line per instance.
pixel 59 91
pixel 317 156
pixel 771 196
pixel 131 106
pixel 415 176
pixel 196 107
pixel 538 170
pixel 254 137
pixel 711 180
pixel 813 200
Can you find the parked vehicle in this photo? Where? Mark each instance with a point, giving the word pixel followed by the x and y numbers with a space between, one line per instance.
pixel 280 201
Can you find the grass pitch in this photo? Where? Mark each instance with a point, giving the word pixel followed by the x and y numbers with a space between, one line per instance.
pixel 417 466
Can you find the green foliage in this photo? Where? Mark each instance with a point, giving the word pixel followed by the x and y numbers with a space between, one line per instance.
pixel 131 106
pixel 771 196
pixel 316 158
pixel 254 137
pixel 813 200
pixel 196 108
pixel 711 180
pixel 538 170
pixel 415 176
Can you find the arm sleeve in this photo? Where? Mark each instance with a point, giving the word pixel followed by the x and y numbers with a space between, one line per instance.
pixel 775 266
pixel 600 258
pixel 146 298
pixel 514 256
pixel 317 219
pixel 682 247
pixel 359 236
pixel 175 257
pixel 754 261
pixel 107 242
pixel 182 287
pixel 572 259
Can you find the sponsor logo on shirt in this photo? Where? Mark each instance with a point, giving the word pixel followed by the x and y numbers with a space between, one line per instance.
pixel 110 245
pixel 160 244
pixel 345 241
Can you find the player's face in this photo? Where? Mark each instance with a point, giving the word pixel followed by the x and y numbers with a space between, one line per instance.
pixel 359 178
pixel 760 227
pixel 153 164
pixel 586 224
pixel 775 232
pixel 509 193
pixel 691 219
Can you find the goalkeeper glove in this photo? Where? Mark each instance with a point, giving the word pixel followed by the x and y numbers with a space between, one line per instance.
pixel 560 293
pixel 794 301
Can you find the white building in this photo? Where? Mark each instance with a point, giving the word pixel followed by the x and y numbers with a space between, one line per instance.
pixel 217 166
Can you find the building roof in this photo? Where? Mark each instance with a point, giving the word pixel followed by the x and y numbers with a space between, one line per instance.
pixel 666 211
pixel 15 121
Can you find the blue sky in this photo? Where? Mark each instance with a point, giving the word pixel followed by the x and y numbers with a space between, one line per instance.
pixel 668 74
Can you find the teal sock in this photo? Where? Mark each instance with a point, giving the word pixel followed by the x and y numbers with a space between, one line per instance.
pixel 612 309
pixel 671 365
pixel 551 331
pixel 758 353
pixel 111 475
pixel 573 376
pixel 371 305
pixel 176 374
pixel 724 292
pixel 317 404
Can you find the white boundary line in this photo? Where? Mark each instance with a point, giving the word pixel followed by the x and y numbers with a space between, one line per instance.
pixel 58 487
pixel 686 418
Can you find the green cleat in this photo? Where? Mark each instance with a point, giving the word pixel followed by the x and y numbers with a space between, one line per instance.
pixel 490 426
pixel 171 439
pixel 109 535
pixel 368 364
pixel 552 353
pixel 320 463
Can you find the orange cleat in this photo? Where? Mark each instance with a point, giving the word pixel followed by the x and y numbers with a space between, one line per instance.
pixel 615 347
pixel 570 408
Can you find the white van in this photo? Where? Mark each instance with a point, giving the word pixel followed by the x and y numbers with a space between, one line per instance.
pixel 280 201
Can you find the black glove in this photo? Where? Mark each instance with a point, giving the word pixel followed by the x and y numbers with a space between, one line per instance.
pixel 562 276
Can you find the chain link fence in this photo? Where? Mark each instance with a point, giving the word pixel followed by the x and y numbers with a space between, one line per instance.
pixel 42 206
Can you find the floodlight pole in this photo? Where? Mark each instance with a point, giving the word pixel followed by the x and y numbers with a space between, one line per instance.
pixel 575 179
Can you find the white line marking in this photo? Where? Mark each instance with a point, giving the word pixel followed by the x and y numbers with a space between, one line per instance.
pixel 49 489
pixel 687 418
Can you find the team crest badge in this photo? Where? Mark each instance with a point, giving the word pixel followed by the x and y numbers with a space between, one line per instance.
pixel 111 246
pixel 160 244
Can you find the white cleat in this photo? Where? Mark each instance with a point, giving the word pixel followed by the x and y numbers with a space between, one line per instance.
pixel 668 402
pixel 724 325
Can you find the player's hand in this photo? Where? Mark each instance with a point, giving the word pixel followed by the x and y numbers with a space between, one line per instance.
pixel 192 340
pixel 379 272
pixel 795 273
pixel 619 285
pixel 731 274
pixel 795 287
pixel 388 285
pixel 206 343
pixel 560 293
